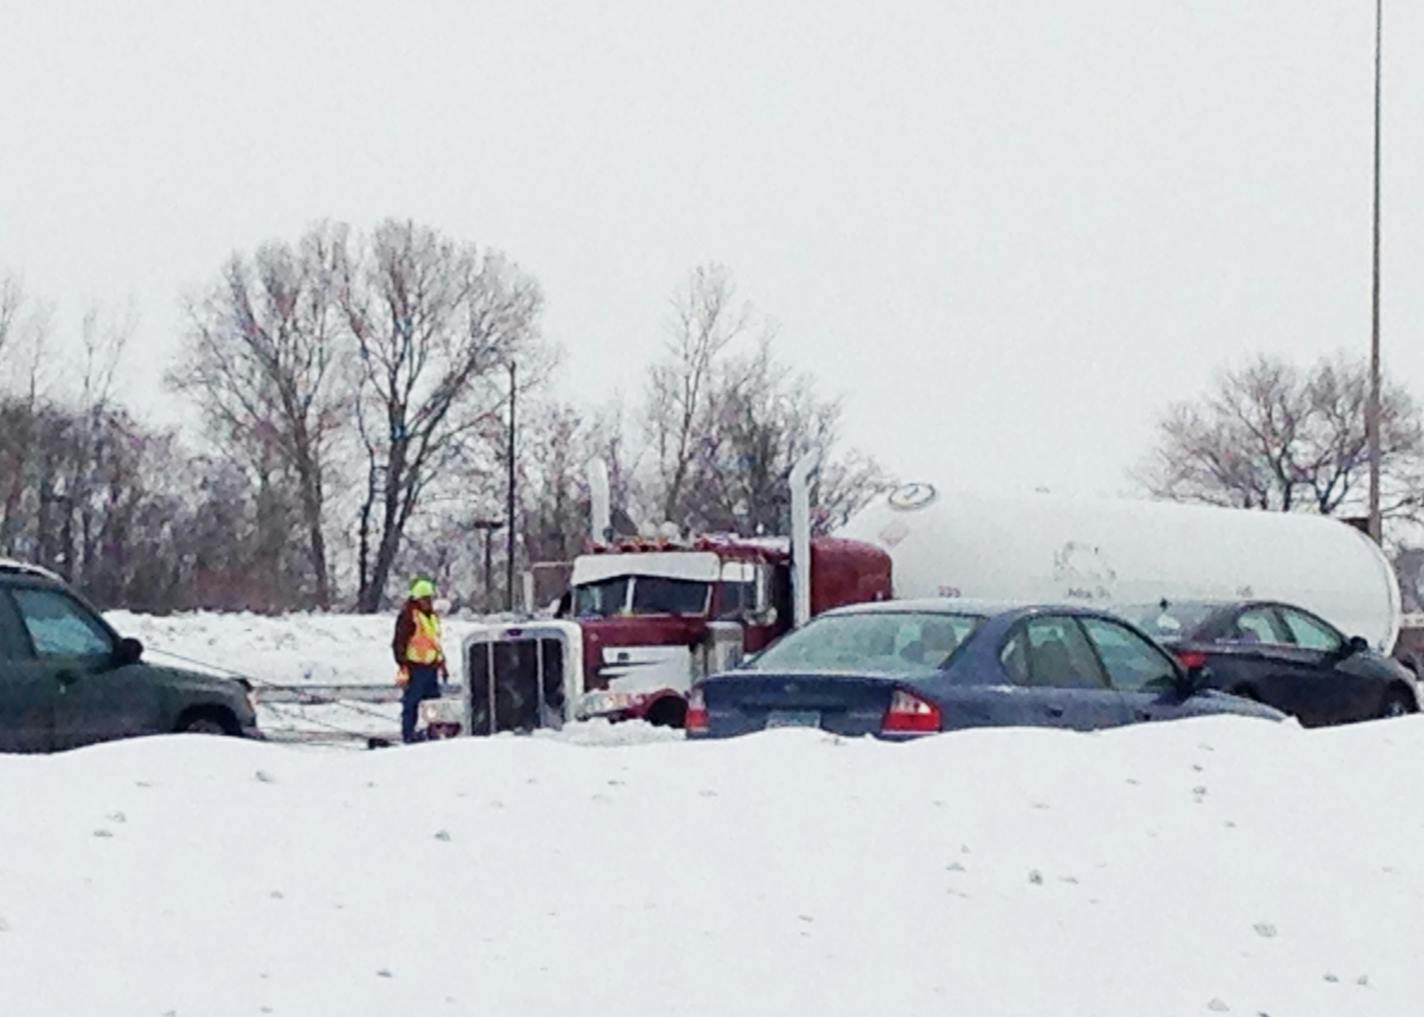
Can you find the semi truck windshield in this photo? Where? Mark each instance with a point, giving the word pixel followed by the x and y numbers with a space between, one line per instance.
pixel 641 595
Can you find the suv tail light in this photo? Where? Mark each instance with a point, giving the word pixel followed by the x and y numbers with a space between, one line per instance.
pixel 1191 659
pixel 696 721
pixel 909 714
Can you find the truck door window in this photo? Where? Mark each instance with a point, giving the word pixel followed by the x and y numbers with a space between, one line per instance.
pixel 60 627
pixel 738 599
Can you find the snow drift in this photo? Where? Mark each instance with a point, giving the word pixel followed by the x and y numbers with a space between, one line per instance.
pixel 1218 866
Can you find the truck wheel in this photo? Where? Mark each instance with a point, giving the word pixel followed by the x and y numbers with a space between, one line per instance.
pixel 667 713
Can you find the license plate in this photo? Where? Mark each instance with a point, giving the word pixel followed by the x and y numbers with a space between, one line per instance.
pixel 794 718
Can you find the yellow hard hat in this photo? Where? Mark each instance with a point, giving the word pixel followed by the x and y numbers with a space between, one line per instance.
pixel 421 588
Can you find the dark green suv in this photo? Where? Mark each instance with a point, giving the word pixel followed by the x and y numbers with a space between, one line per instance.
pixel 67 679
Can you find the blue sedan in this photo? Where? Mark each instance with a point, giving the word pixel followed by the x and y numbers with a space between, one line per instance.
pixel 900 669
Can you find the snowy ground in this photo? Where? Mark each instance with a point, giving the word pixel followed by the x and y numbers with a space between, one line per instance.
pixel 1217 866
pixel 294 650
pixel 306 649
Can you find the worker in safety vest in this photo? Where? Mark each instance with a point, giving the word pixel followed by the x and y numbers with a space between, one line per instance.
pixel 418 654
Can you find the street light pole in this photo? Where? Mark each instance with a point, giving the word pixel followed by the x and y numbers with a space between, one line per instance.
pixel 1372 412
pixel 509 508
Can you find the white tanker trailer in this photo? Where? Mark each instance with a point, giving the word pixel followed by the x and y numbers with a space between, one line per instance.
pixel 1052 549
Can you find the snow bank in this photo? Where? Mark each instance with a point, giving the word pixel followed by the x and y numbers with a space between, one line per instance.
pixel 1216 866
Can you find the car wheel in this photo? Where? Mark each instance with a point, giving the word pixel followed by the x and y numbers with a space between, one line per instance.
pixel 203 726
pixel 1397 704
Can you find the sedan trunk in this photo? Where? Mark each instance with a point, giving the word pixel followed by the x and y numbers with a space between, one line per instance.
pixel 844 704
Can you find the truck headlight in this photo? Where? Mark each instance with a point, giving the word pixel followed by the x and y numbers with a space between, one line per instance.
pixel 598 704
pixel 440 711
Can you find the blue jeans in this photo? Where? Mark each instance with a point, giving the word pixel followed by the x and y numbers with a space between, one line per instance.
pixel 424 684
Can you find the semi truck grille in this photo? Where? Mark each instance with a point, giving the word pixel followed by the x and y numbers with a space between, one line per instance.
pixel 516 684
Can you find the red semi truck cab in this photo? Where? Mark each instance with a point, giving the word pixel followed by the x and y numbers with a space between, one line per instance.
pixel 641 621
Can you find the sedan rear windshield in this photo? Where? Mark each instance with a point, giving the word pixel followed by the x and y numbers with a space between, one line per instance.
pixel 881 642
pixel 1169 620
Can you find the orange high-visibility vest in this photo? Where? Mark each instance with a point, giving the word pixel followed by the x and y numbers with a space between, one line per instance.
pixel 424 645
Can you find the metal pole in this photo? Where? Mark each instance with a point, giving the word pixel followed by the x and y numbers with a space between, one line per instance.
pixel 1372 412
pixel 489 568
pixel 509 517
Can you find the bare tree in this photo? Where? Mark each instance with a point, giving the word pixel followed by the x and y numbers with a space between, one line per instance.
pixel 25 331
pixel 264 361
pixel 1272 436
pixel 706 320
pixel 759 419
pixel 12 299
pixel 435 324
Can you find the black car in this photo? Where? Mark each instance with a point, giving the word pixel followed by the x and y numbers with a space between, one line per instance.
pixel 68 679
pixel 1282 655
pixel 900 669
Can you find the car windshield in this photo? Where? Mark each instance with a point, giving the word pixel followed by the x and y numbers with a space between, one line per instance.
pixel 650 595
pixel 882 642
pixel 1166 620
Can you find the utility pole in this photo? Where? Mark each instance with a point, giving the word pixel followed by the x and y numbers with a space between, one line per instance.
pixel 1372 411
pixel 489 526
pixel 509 508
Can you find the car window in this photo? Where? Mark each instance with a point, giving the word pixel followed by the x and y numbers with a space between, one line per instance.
pixel 1015 657
pixel 14 643
pixel 1059 655
pixel 1133 664
pixel 1310 633
pixel 887 642
pixel 60 627
pixel 1168 620
pixel 1256 625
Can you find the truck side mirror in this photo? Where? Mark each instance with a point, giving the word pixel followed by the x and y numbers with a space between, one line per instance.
pixel 1354 645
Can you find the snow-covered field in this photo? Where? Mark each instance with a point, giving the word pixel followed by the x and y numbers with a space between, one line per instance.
pixel 1218 866
pixel 305 649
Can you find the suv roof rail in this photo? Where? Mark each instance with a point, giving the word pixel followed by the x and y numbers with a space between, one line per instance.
pixel 26 569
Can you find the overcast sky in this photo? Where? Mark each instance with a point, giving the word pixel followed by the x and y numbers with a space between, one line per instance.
pixel 1009 232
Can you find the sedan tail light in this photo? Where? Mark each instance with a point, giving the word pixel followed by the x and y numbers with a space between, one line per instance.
pixel 909 714
pixel 696 720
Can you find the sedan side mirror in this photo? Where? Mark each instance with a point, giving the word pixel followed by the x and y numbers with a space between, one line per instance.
pixel 1194 680
pixel 129 651
pixel 1349 648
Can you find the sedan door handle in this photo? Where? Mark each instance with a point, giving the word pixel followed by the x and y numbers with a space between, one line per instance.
pixel 1055 711
pixel 67 678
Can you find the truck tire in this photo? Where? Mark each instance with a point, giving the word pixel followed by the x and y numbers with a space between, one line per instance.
pixel 669 712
